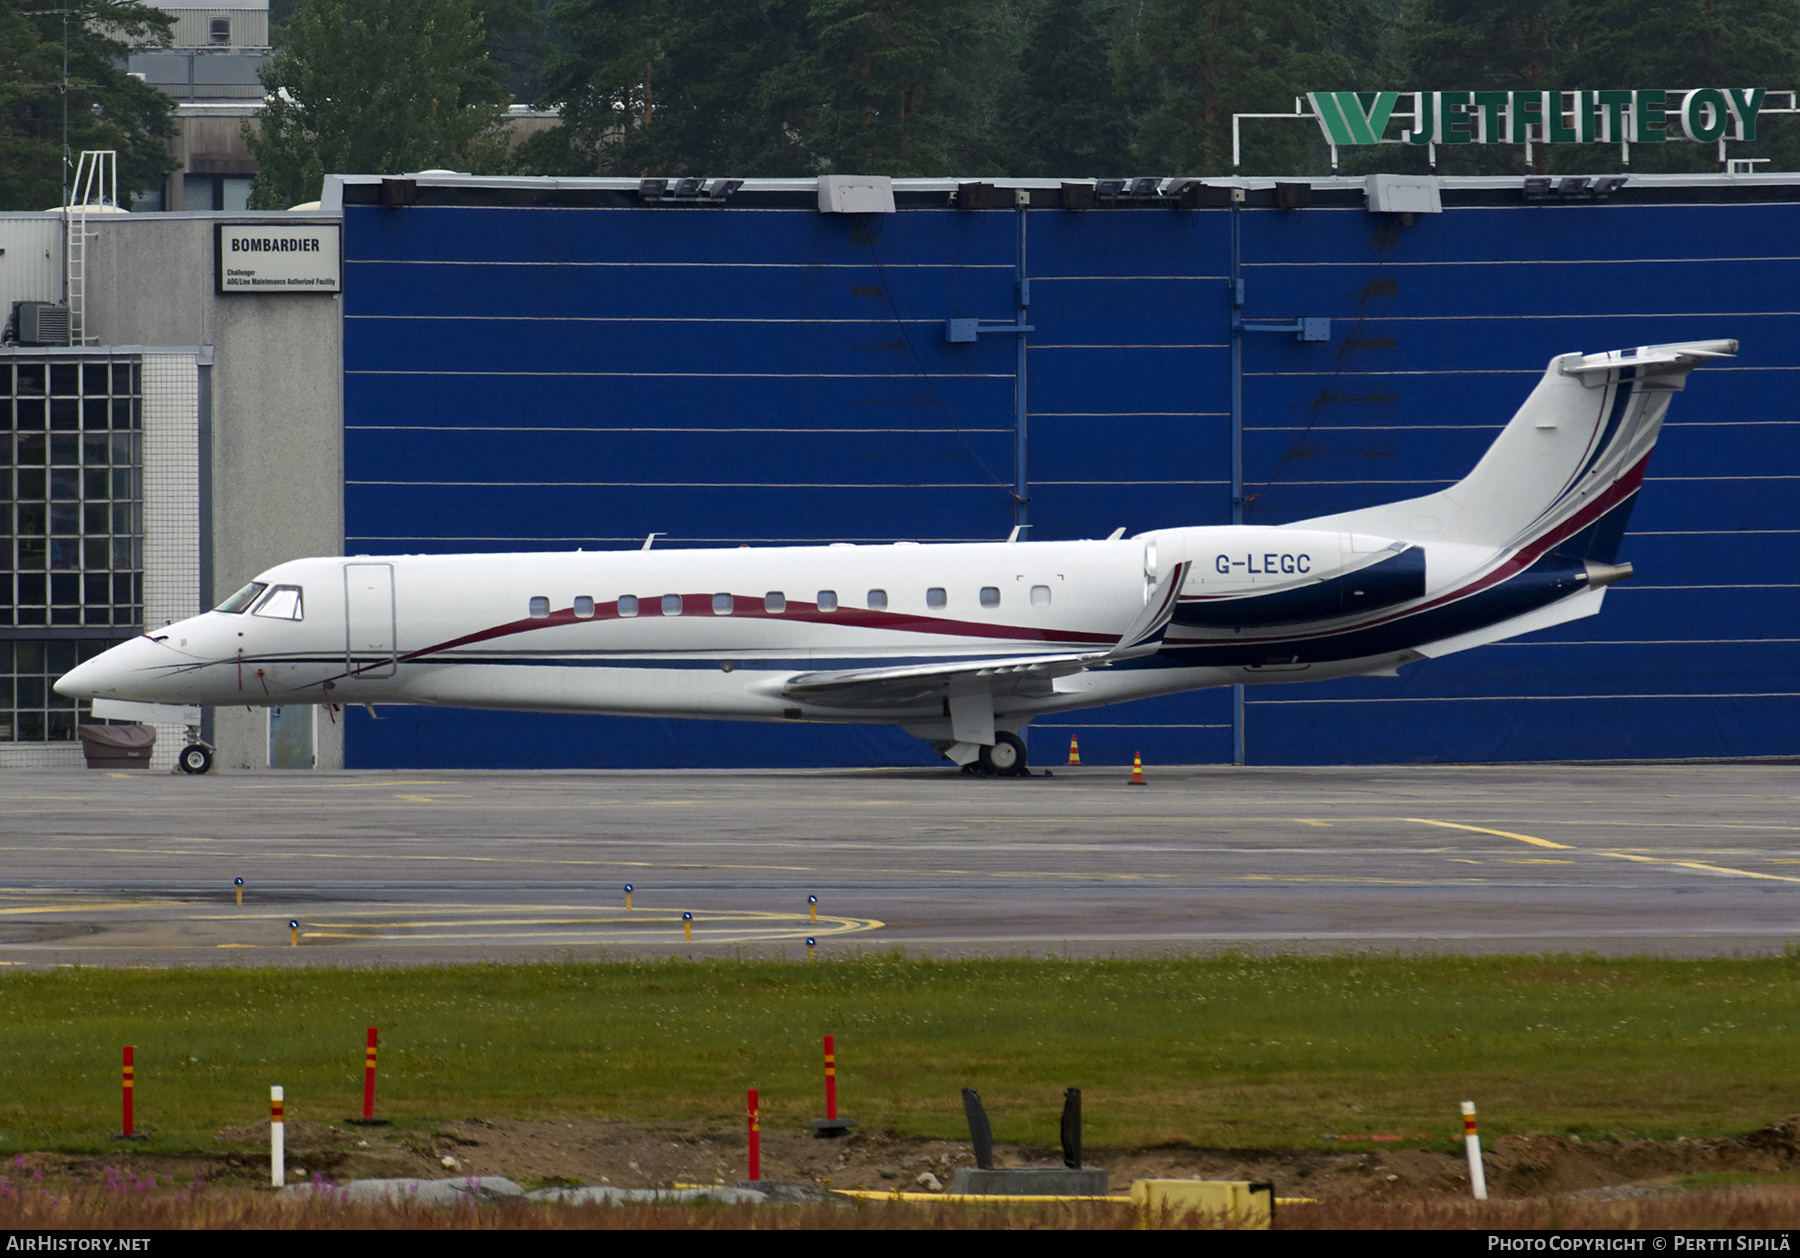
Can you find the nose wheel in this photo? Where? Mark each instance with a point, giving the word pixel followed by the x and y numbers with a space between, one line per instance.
pixel 195 758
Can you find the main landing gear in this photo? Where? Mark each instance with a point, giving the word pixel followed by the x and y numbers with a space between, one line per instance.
pixel 195 758
pixel 1005 759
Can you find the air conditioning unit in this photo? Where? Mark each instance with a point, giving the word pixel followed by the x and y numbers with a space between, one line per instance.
pixel 41 323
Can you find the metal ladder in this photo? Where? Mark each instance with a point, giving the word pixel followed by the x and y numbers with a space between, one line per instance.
pixel 96 184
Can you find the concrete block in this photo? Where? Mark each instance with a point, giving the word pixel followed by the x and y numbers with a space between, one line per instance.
pixel 1032 1181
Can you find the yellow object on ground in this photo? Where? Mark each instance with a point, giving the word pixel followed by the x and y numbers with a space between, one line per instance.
pixel 1233 1202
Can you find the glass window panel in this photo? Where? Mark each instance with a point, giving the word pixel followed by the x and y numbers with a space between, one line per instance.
pixel 6 692
pixel 32 484
pixel 671 604
pixel 31 552
pixel 877 600
pixel 59 656
pixel 61 725
pixel 121 483
pixel 65 518
pixel 93 558
pixel 93 449
pixel 6 378
pixel 94 412
pixel 29 657
pixel 121 556
pixel 121 586
pixel 121 448
pixel 6 657
pixel 775 602
pixel 827 600
pixel 65 413
pixel 990 596
pixel 31 379
pixel 628 605
pixel 6 458
pixel 540 607
pixel 94 518
pixel 1040 596
pixel 31 727
pixel 33 519
pixel 95 588
pixel 121 377
pixel 65 451
pixel 65 615
pixel 31 692
pixel 93 378
pixel 94 482
pixel 237 602
pixel 65 378
pixel 584 607
pixel 284 603
pixel 32 449
pixel 65 590
pixel 935 597
pixel 723 604
pixel 29 414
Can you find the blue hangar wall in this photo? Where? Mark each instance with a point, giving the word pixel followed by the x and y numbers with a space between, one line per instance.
pixel 530 370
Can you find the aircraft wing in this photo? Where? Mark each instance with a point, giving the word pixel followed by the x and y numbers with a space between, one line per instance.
pixel 908 685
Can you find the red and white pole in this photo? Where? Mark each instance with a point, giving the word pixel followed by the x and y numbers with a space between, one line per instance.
pixel 755 1135
pixel 277 1139
pixel 130 1109
pixel 830 1080
pixel 1472 1142
pixel 369 1078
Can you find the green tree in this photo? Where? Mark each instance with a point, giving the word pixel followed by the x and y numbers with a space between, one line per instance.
pixel 401 85
pixel 1192 64
pixel 1068 117
pixel 106 107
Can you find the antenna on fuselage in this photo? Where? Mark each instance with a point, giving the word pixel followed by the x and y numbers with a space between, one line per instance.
pixel 652 538
pixel 1116 534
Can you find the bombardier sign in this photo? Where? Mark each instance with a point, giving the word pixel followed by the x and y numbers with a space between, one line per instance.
pixel 279 257
pixel 1704 115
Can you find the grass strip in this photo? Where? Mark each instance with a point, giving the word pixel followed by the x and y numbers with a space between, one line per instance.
pixel 1220 1051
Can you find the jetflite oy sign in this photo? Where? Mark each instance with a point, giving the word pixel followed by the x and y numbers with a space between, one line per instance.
pixel 1703 115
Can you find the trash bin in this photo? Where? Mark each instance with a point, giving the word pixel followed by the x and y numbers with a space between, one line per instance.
pixel 117 746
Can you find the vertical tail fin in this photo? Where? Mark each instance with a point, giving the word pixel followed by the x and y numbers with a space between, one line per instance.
pixel 1570 460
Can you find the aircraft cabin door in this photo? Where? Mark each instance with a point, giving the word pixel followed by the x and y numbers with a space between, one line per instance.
pixel 369 619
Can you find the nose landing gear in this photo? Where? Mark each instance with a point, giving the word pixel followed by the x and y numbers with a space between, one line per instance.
pixel 196 757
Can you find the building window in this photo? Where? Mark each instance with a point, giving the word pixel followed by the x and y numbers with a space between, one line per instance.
pixel 219 30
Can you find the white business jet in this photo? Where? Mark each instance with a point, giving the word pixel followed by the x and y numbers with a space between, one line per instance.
pixel 961 644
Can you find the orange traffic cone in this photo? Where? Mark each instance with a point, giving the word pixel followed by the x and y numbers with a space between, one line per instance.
pixel 1074 753
pixel 1137 770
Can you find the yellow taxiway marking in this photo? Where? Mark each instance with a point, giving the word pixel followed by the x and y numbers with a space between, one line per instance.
pixel 1700 865
pixel 1463 860
pixel 1308 821
pixel 1703 866
pixel 80 908
pixel 1505 834
pixel 1533 860
pixel 428 799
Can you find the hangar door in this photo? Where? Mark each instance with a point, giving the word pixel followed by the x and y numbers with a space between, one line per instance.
pixel 369 619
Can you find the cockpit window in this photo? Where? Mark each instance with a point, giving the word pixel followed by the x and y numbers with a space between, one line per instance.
pixel 283 603
pixel 243 598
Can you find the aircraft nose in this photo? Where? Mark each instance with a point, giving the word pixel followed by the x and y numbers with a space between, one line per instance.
pixel 82 681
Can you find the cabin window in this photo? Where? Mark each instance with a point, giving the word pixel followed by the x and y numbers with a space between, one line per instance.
pixel 671 604
pixel 243 598
pixel 627 604
pixel 827 600
pixel 877 600
pixel 540 607
pixel 584 607
pixel 283 603
pixel 774 602
pixel 935 597
pixel 722 604
pixel 990 596
pixel 1040 596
